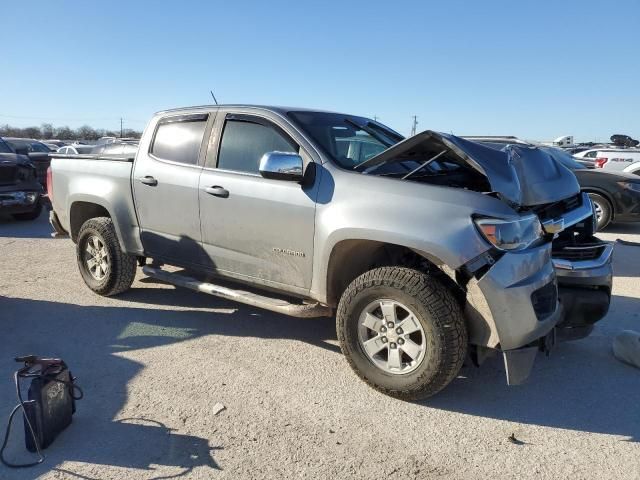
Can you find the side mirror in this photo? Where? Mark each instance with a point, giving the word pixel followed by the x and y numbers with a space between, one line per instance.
pixel 22 151
pixel 282 166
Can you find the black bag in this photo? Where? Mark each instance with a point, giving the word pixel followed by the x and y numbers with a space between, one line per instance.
pixel 50 404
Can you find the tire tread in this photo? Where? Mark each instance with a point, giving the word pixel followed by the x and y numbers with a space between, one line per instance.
pixel 441 305
pixel 123 265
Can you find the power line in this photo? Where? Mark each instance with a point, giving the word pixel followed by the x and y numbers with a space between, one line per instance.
pixel 72 119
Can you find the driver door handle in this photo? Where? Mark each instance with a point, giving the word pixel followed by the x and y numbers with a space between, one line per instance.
pixel 217 191
pixel 148 180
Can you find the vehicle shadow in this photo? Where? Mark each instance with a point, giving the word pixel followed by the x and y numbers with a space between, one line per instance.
pixel 581 386
pixel 246 321
pixel 630 228
pixel 89 340
pixel 38 228
pixel 626 261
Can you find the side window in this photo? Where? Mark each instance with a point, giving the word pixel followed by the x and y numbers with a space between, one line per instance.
pixel 179 141
pixel 591 154
pixel 244 143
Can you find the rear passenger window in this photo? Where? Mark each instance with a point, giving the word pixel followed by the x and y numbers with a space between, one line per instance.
pixel 244 143
pixel 179 141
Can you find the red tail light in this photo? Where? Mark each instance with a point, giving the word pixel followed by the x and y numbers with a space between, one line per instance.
pixel 50 184
pixel 600 162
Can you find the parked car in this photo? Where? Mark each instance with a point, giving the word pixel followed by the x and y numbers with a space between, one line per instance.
pixel 20 192
pixel 611 159
pixel 435 247
pixel 51 146
pixel 615 195
pixel 37 151
pixel 57 143
pixel 634 168
pixel 76 149
pixel 116 148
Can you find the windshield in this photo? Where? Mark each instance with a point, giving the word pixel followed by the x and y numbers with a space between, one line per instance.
pixel 347 140
pixel 4 147
pixel 39 147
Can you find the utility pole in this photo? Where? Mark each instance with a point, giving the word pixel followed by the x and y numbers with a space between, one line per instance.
pixel 415 124
pixel 121 135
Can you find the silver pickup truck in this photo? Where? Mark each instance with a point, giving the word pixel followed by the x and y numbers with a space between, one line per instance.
pixel 428 250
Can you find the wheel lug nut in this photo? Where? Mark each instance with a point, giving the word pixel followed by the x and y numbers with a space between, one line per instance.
pixel 400 341
pixel 383 329
pixel 392 345
pixel 384 340
pixel 399 331
pixel 390 324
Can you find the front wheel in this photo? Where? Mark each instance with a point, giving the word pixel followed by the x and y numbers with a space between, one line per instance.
pixel 104 267
pixel 604 211
pixel 402 332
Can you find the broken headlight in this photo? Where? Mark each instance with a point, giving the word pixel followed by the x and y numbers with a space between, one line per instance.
pixel 511 235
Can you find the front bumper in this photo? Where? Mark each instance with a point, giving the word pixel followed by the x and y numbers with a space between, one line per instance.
pixel 500 309
pixel 584 288
pixel 505 313
pixel 18 201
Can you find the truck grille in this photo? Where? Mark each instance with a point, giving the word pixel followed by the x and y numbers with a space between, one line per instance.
pixel 557 209
pixel 581 252
pixel 545 300
pixel 8 175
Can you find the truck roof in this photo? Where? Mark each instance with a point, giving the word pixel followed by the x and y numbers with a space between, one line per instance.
pixel 273 108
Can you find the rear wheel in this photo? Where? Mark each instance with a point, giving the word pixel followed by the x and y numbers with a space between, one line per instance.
pixel 104 267
pixel 402 332
pixel 604 211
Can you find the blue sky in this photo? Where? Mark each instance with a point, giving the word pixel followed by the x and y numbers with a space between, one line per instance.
pixel 533 69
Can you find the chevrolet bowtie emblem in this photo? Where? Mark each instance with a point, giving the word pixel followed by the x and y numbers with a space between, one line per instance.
pixel 555 225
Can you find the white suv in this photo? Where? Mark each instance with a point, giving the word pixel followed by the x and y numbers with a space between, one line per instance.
pixel 612 159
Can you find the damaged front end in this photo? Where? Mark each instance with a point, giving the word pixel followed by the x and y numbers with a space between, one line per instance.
pixel 520 295
pixel 528 299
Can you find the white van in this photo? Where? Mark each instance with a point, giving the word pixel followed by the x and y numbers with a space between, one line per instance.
pixel 612 159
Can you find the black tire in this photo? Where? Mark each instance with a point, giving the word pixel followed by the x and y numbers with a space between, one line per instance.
pixel 606 209
pixel 121 267
pixel 440 317
pixel 32 215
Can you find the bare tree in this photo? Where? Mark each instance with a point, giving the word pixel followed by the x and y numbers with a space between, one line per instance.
pixel 47 131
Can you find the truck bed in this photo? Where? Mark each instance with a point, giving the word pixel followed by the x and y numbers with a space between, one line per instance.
pixel 89 156
pixel 104 180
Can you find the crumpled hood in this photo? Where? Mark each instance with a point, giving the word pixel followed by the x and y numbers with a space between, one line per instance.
pixel 523 175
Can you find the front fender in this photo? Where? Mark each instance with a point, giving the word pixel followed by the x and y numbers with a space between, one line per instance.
pixel 436 222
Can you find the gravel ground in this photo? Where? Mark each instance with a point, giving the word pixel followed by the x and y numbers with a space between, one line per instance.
pixel 154 362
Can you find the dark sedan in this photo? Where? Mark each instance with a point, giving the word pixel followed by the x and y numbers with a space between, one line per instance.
pixel 615 195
